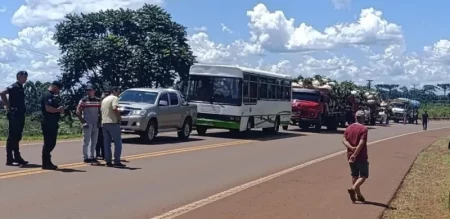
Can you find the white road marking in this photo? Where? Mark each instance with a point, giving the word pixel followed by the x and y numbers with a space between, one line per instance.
pixel 195 205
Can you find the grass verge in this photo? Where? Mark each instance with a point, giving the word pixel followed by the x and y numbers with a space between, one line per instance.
pixel 37 139
pixel 424 193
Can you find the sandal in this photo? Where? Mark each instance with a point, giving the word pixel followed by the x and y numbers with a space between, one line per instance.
pixel 352 192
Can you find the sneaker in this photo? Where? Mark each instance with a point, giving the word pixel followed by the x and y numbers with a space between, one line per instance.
pixel 49 167
pixel 360 198
pixel 119 165
pixel 109 165
pixel 87 161
pixel 21 161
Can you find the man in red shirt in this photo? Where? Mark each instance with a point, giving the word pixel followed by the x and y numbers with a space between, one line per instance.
pixel 355 140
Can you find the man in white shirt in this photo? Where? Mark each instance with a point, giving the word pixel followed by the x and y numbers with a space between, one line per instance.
pixel 111 128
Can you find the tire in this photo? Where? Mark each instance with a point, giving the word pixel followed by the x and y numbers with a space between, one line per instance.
pixel 276 126
pixel 150 132
pixel 201 130
pixel 186 129
pixel 303 125
pixel 318 126
pixel 285 127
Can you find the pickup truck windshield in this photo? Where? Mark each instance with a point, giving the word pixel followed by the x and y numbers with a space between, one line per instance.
pixel 305 96
pixel 138 96
pixel 221 90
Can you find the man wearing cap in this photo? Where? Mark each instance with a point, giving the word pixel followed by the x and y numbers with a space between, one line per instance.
pixel 51 112
pixel 15 109
pixel 355 140
pixel 88 113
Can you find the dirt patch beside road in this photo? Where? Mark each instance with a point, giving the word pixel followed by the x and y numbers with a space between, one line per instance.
pixel 424 192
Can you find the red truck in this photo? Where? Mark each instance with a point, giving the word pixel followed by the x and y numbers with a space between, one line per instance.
pixel 314 107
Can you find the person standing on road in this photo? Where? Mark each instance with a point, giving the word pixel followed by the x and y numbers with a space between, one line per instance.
pixel 355 140
pixel 111 120
pixel 100 148
pixel 15 111
pixel 88 111
pixel 51 112
pixel 425 120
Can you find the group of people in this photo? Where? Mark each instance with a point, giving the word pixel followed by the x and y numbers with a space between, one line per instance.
pixel 100 118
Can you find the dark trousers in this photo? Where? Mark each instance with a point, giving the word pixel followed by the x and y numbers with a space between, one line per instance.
pixel 425 125
pixel 16 123
pixel 99 148
pixel 50 132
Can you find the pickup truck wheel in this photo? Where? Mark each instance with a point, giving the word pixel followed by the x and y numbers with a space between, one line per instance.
pixel 150 133
pixel 186 129
pixel 201 130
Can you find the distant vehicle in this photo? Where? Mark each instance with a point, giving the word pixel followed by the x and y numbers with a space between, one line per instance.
pixel 402 107
pixel 315 107
pixel 239 99
pixel 148 112
pixel 382 115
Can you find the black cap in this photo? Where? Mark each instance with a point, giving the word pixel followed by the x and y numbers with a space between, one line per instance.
pixel 89 87
pixel 22 73
pixel 57 84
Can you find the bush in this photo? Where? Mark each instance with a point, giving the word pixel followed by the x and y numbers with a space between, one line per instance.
pixel 436 110
pixel 32 129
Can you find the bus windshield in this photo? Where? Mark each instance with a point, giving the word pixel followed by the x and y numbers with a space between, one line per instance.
pixel 211 89
pixel 305 96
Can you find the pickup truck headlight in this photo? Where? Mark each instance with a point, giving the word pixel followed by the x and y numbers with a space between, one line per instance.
pixel 137 112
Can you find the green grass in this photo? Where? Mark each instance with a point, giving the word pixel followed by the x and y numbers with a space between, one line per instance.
pixel 424 193
pixel 32 129
pixel 436 110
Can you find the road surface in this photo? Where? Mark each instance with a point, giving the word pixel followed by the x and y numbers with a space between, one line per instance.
pixel 162 176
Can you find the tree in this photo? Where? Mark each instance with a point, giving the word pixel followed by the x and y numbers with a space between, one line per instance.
pixel 126 48
pixel 444 87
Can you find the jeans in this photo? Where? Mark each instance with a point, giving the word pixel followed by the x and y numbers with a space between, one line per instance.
pixel 111 131
pixel 90 137
pixel 425 125
pixel 15 129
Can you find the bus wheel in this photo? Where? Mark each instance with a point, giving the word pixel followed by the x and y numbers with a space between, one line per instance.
pixel 201 130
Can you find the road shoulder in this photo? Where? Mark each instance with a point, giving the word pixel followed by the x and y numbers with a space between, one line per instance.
pixel 319 191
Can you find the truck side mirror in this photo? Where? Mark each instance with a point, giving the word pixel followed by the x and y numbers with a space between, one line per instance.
pixel 163 103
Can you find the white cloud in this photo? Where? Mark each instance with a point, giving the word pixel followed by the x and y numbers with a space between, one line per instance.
pixel 226 29
pixel 49 12
pixel 341 4
pixel 2 9
pixel 276 33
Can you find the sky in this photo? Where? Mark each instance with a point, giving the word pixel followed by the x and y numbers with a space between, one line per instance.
pixel 399 42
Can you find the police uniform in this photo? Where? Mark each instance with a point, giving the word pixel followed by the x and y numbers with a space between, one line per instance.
pixel 16 118
pixel 50 126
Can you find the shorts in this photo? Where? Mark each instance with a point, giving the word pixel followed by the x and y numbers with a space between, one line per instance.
pixel 360 169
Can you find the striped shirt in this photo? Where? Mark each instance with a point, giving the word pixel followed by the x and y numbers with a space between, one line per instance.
pixel 90 108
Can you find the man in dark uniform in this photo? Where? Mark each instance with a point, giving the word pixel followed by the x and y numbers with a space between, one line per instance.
pixel 100 149
pixel 51 111
pixel 425 120
pixel 15 108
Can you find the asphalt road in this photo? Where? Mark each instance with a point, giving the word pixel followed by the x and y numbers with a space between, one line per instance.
pixel 161 176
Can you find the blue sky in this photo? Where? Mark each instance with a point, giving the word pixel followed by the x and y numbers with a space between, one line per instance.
pixel 420 23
